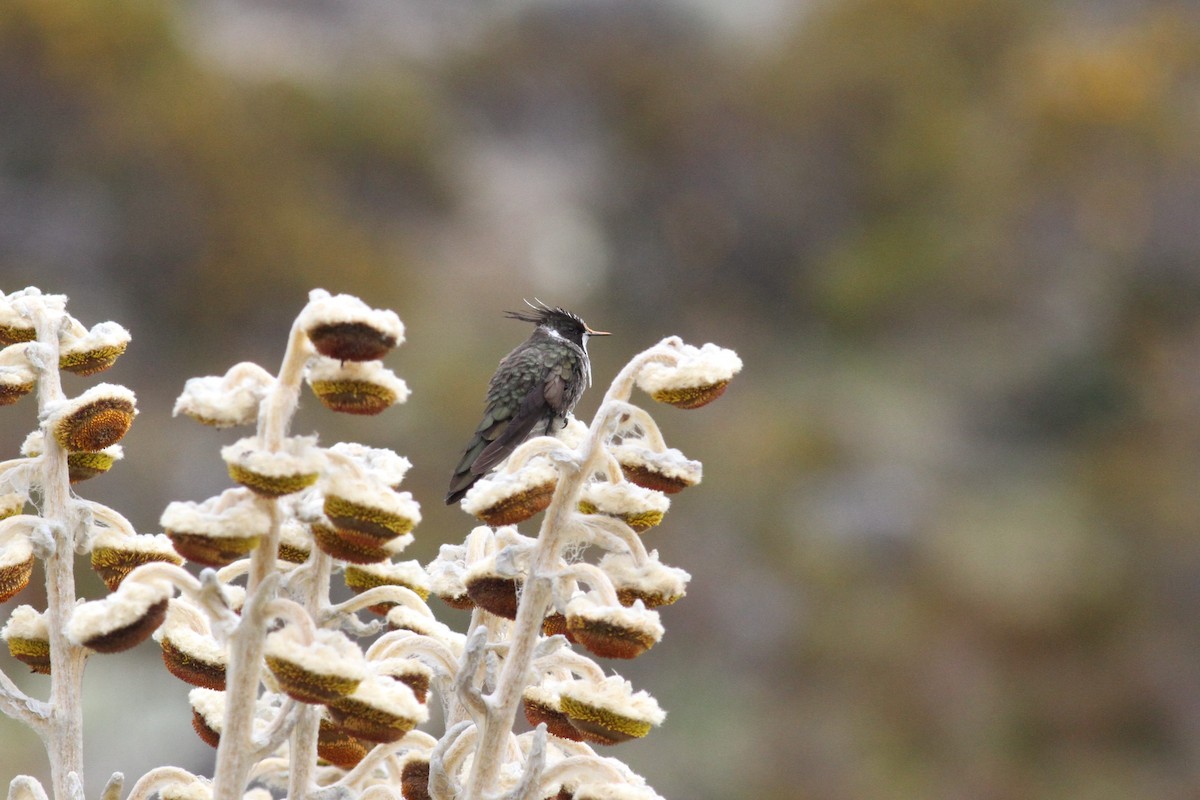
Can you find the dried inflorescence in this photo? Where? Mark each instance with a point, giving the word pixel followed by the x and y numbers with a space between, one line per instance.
pixel 298 691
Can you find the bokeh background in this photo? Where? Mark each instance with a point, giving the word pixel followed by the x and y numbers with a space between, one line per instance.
pixel 946 545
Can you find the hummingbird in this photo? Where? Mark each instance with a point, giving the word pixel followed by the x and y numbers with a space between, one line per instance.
pixel 534 389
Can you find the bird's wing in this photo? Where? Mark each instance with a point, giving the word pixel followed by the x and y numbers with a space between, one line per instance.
pixel 505 435
pixel 544 393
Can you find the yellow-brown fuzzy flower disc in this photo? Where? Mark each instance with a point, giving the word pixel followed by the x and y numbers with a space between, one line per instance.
pixel 414 778
pixel 613 631
pixel 83 465
pixel 666 471
pixel 408 574
pixel 356 387
pixel 192 668
pixel 607 712
pixel 122 620
pixel 541 706
pixel 376 512
pixel 338 747
pixel 651 581
pixel 493 592
pixel 354 547
pixel 379 710
pixel 96 419
pixel 28 638
pixel 115 555
pixel 16 566
pixel 293 467
pixel 11 504
pixel 507 498
pixel 218 531
pixel 412 673
pixel 689 397
pixel 350 341
pixel 15 331
pixel 90 361
pixel 16 381
pixel 697 376
pixel 321 671
pixel 189 651
pixel 638 508
pixel 208 714
pixel 344 328
pixel 88 352
pixel 354 397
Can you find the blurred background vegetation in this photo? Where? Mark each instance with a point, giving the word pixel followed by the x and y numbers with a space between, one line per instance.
pixel 946 546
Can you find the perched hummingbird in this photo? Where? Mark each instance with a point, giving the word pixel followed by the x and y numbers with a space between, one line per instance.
pixel 534 388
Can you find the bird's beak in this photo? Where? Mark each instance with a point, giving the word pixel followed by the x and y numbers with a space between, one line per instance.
pixel 597 333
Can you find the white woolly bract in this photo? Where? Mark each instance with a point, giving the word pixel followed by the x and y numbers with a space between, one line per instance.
pixel 34 445
pixel 177 629
pixel 11 503
pixel 400 667
pixel 235 595
pixel 297 455
pixel 102 335
pixel 16 375
pixel 352 488
pixel 651 577
pixel 503 564
pixel 293 534
pixel 385 465
pixel 614 791
pixel 408 573
pixel 541 693
pixel 636 617
pixel 326 309
pixel 153 543
pixel 500 486
pixel 407 618
pixel 330 369
pixel 121 608
pixel 447 572
pixel 16 550
pixel 14 306
pixel 231 513
pixel 25 622
pixel 670 463
pixel 573 433
pixel 696 366
pixel 99 392
pixel 209 704
pixel 192 790
pixel 623 498
pixel 614 694
pixel 330 652
pixel 391 697
pixel 396 546
pixel 226 400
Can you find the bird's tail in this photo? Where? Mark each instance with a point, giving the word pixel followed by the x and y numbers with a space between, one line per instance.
pixel 464 476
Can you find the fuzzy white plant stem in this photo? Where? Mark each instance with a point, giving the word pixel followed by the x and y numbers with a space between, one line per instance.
pixel 159 778
pixel 303 747
pixel 502 703
pixel 63 736
pixel 234 753
pixel 24 787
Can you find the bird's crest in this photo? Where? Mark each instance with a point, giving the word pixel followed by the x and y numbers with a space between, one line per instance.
pixel 556 317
